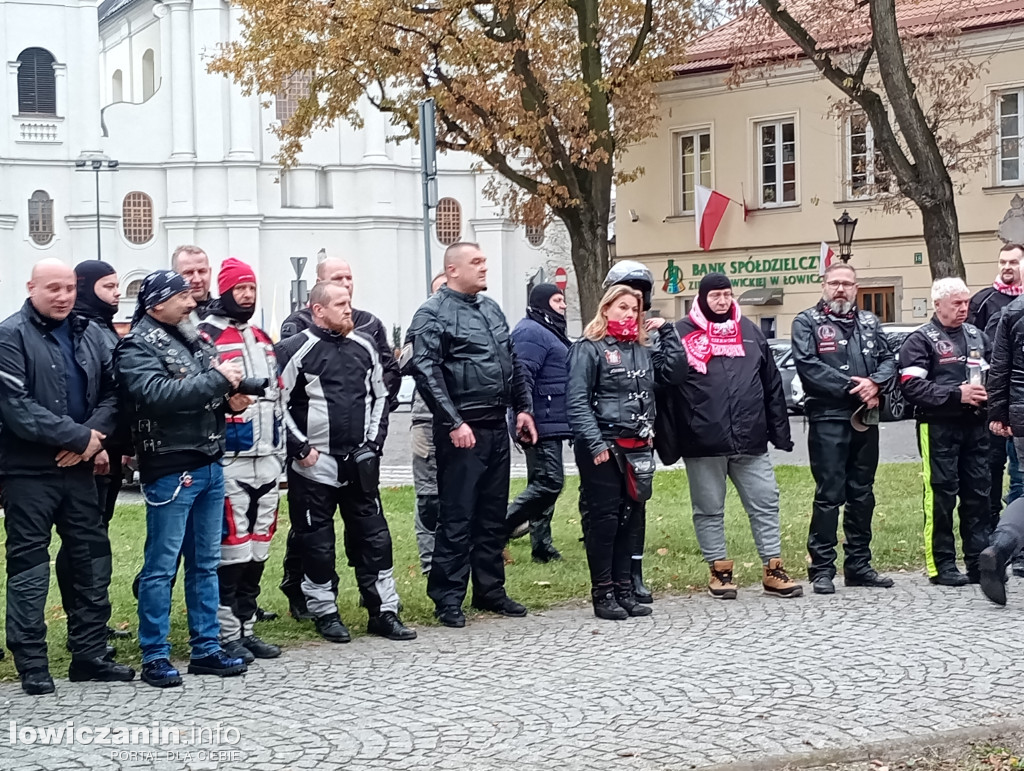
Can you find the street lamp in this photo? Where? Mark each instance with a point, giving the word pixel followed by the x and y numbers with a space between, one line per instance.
pixel 845 226
pixel 96 164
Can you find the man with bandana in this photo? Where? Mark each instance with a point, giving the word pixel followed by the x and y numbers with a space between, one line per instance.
pixel 844 361
pixel 729 407
pixel 176 394
pixel 254 459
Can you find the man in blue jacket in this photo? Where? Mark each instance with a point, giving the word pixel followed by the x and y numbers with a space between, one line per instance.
pixel 542 347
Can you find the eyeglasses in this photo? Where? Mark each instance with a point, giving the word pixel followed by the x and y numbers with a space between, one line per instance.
pixel 843 284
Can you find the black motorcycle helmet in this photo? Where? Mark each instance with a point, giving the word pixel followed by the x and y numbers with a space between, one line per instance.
pixel 633 274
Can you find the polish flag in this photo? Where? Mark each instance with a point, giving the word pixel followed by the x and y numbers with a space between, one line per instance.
pixel 710 210
pixel 827 255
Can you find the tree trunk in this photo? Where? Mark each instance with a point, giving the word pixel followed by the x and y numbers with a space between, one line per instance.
pixel 589 246
pixel 942 237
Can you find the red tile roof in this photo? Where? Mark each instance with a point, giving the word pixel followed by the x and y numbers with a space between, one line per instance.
pixel 717 50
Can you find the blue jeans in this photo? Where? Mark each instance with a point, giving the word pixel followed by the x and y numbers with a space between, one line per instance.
pixel 186 520
pixel 1016 479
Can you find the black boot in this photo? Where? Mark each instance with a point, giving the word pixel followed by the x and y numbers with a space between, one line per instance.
pixel 605 605
pixel 627 601
pixel 992 565
pixel 640 591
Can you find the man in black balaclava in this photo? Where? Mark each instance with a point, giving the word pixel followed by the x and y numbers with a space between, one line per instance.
pixel 97 301
pixel 542 347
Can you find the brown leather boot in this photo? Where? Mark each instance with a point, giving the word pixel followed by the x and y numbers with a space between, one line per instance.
pixel 721 585
pixel 777 581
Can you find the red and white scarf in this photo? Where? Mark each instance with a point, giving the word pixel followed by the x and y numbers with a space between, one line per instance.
pixel 713 339
pixel 1008 289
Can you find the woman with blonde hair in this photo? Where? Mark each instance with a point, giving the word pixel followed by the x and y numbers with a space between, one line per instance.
pixel 610 398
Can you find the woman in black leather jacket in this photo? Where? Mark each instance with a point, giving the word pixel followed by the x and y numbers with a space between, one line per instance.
pixel 612 372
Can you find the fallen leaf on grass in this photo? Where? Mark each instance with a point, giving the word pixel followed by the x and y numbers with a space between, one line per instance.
pixel 542 583
pixel 662 552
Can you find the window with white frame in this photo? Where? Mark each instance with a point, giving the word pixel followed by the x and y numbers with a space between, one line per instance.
pixel 866 172
pixel 1010 165
pixel 694 159
pixel 776 142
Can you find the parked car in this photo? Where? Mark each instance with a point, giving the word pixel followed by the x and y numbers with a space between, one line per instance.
pixel 894 406
pixel 782 350
pixel 406 391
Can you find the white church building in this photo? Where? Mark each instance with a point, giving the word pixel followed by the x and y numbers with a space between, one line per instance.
pixel 116 94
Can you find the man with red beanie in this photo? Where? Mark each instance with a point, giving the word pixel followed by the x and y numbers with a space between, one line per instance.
pixel 253 458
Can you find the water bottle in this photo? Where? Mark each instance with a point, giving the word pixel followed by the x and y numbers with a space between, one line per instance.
pixel 974 373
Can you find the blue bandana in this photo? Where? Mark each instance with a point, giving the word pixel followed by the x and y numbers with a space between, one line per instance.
pixel 157 288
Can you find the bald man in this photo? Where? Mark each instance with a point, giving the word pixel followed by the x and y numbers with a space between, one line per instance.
pixel 336 271
pixel 57 405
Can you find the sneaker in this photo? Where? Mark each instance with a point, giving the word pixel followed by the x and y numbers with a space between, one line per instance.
pixel 776 580
pixel 451 617
pixel 506 606
pixel 219 663
pixel 544 556
pixel 36 682
pixel 254 646
pixel 824 585
pixel 721 584
pixel 236 650
pixel 160 674
pixel 331 629
pixel 627 601
pixel 99 669
pixel 388 625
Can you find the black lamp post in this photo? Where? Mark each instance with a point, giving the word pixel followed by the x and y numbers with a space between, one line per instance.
pixel 845 226
pixel 96 164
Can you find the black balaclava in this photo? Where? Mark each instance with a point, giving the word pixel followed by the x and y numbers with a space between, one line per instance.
pixel 225 305
pixel 711 283
pixel 87 304
pixel 540 310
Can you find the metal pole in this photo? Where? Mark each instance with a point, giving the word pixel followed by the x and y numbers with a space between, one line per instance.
pixel 428 176
pixel 426 232
pixel 99 246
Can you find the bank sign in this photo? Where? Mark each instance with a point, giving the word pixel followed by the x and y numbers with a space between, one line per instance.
pixel 746 274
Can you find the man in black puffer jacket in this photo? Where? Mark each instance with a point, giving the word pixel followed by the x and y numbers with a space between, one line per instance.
pixel 466 371
pixel 731 404
pixel 543 348
pixel 843 359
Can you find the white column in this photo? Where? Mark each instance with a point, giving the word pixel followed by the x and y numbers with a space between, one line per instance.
pixel 183 143
pixel 243 113
pixel 375 134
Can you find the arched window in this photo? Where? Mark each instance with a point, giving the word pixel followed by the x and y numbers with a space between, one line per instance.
pixel 535 234
pixel 40 217
pixel 131 292
pixel 117 87
pixel 295 88
pixel 37 83
pixel 148 75
pixel 449 221
pixel 137 217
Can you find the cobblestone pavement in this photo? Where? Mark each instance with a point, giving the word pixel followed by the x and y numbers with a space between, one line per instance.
pixel 701 682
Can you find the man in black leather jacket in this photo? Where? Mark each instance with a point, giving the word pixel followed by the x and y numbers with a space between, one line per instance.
pixel 843 360
pixel 176 395
pixel 942 369
pixel 57 404
pixel 466 371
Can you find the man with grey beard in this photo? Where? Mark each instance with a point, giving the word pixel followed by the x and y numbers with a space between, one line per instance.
pixel 844 362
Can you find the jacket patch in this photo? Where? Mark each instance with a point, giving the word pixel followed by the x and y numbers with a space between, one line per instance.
pixel 946 351
pixel 614 358
pixel 827 339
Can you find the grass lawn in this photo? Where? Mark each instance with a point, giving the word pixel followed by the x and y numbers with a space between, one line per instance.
pixel 673 563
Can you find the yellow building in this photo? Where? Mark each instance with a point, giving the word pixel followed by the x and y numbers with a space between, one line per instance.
pixel 774 145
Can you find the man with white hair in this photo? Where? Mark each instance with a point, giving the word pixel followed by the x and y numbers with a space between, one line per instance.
pixel 943 367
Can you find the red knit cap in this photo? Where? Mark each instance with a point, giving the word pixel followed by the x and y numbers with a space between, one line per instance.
pixel 232 273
